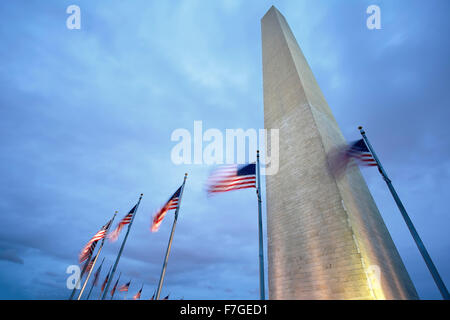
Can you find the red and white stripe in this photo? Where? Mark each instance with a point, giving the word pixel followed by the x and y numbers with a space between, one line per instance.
pixel 172 204
pixel 90 246
pixel 105 282
pixel 90 265
pixel 124 288
pixel 137 296
pixel 226 179
pixel 364 158
pixel 113 236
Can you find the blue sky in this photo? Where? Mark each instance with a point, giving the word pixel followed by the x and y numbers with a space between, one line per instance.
pixel 86 118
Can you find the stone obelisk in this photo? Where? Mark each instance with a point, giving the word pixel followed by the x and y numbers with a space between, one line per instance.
pixel 326 237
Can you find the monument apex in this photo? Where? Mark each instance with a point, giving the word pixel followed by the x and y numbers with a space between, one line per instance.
pixel 326 237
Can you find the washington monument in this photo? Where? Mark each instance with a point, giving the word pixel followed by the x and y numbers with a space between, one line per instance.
pixel 326 237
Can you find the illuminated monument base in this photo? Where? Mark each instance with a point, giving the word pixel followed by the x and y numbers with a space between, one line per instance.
pixel 326 237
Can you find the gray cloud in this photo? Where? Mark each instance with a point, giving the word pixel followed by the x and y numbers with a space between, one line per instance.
pixel 10 255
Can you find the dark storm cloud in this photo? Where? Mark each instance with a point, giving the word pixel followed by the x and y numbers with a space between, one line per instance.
pixel 10 255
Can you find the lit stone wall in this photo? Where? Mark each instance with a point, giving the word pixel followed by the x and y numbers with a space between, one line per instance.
pixel 326 237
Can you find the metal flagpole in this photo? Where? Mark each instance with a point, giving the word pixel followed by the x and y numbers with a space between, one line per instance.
pixel 115 286
pixel 96 257
pixel 163 271
pixel 90 271
pixel 92 286
pixel 121 248
pixel 260 231
pixel 423 251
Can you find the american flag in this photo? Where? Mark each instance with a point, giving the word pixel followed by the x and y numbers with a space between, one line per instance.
pixel 171 204
pixel 359 151
pixel 137 296
pixel 91 263
pixel 106 280
pixel 90 246
pixel 125 287
pixel 115 286
pixel 232 177
pixel 342 157
pixel 87 251
pixel 113 236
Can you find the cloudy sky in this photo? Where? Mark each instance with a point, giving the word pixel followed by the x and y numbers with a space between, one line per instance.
pixel 87 115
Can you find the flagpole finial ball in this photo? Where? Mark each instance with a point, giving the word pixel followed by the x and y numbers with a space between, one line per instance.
pixel 142 194
pixel 360 127
pixel 257 151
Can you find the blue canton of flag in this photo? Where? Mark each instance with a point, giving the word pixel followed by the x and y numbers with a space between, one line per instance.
pixel 359 151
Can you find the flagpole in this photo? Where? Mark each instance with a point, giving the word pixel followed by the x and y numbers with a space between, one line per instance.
pixel 115 287
pixel 92 286
pixel 90 290
pixel 90 271
pixel 121 248
pixel 423 251
pixel 163 271
pixel 96 257
pixel 260 232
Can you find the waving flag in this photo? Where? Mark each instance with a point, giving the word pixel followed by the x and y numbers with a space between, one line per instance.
pixel 125 287
pixel 87 251
pixel 137 296
pixel 359 151
pixel 106 280
pixel 341 158
pixel 115 286
pixel 232 177
pixel 90 246
pixel 90 264
pixel 126 220
pixel 171 204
